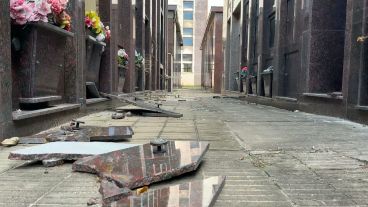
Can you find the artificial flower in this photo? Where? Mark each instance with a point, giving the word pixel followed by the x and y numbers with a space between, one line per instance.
pixel 107 32
pixel 20 11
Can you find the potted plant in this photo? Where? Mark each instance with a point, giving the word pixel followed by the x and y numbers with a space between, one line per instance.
pixel 267 76
pixel 40 29
pixel 123 60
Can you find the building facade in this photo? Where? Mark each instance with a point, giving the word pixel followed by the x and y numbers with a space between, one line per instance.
pixel 175 43
pixel 192 16
pixel 300 54
pixel 49 75
pixel 212 52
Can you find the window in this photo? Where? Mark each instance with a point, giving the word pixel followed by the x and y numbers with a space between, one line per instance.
pixel 188 41
pixel 187 67
pixel 187 57
pixel 188 5
pixel 188 31
pixel 188 15
pixel 272 22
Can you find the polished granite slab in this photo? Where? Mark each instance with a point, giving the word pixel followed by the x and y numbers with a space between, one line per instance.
pixel 86 134
pixel 142 165
pixel 200 193
pixel 66 150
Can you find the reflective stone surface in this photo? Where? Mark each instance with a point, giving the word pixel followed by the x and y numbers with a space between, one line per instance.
pixel 139 166
pixel 200 193
pixel 66 150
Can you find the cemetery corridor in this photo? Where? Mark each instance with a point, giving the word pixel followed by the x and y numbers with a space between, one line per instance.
pixel 271 157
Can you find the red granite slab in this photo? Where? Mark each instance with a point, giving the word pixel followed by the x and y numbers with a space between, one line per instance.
pixel 201 193
pixel 142 165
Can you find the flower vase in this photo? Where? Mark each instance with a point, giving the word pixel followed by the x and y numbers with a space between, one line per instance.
pixel 122 73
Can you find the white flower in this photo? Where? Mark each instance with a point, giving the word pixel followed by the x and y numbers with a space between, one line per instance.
pixel 100 37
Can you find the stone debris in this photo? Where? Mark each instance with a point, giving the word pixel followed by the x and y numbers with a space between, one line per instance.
pixel 200 193
pixel 52 162
pixel 94 201
pixel 118 116
pixel 139 166
pixel 10 142
pixel 66 150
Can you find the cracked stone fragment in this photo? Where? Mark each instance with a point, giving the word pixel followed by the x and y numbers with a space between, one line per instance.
pixel 200 193
pixel 111 192
pixel 139 166
pixel 52 162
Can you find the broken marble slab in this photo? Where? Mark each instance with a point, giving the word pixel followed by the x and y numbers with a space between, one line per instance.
pixel 199 193
pixel 85 134
pixel 142 105
pixel 141 165
pixel 66 150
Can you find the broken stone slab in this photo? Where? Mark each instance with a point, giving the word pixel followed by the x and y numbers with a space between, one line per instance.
pixel 29 140
pixel 200 193
pixel 66 150
pixel 139 166
pixel 85 134
pixel 143 105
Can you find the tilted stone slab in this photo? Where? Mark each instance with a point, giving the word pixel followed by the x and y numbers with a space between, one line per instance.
pixel 201 193
pixel 142 165
pixel 86 134
pixel 66 150
pixel 141 105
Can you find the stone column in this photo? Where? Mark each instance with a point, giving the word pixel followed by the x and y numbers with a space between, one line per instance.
pixel 75 66
pixel 127 20
pixel 140 38
pixel 5 68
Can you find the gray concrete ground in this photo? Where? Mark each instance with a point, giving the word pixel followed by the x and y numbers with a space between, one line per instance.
pixel 271 157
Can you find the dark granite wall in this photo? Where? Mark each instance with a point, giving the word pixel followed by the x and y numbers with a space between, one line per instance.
pixel 5 68
pixel 327 46
pixel 319 66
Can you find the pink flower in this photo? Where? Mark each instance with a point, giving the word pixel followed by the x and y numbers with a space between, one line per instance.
pixel 88 22
pixel 57 6
pixel 40 11
pixel 108 32
pixel 245 68
pixel 20 11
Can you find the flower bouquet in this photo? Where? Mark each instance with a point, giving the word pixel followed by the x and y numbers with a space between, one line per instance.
pixel 51 11
pixel 139 60
pixel 244 72
pixel 123 58
pixel 96 27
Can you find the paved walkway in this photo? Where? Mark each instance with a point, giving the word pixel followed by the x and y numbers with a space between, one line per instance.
pixel 272 157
